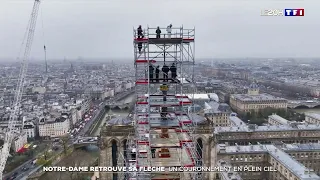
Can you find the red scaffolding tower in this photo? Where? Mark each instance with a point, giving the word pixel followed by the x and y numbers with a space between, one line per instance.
pixel 163 128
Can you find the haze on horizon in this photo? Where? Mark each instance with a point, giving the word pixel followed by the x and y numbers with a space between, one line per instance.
pixel 103 29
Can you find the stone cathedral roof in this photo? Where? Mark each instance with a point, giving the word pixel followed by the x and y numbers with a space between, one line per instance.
pixel 119 121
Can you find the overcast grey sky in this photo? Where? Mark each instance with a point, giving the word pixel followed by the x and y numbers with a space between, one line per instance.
pixel 103 28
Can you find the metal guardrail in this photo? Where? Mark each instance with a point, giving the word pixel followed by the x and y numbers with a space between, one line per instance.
pixel 175 33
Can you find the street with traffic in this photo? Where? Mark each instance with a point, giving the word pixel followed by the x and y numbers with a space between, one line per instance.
pixel 29 167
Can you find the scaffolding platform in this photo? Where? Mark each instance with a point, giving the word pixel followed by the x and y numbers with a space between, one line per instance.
pixel 157 101
pixel 153 61
pixel 142 129
pixel 163 40
pixel 164 176
pixel 142 61
pixel 176 139
pixel 163 130
pixel 143 149
pixel 183 119
pixel 157 81
pixel 156 121
pixel 165 104
pixel 181 157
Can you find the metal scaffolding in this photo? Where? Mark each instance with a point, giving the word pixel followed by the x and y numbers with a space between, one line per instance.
pixel 164 131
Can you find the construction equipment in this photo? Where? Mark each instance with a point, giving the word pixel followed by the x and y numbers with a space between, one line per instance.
pixel 9 134
pixel 163 123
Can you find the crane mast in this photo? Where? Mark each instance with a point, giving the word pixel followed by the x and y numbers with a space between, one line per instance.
pixel 9 134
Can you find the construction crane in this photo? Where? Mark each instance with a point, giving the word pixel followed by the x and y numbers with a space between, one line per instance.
pixel 9 134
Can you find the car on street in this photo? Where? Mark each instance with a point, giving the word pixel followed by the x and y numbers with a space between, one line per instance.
pixel 25 168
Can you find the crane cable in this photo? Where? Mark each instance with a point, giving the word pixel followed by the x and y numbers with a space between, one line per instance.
pixel 45 51
pixel 24 38
pixel 21 47
pixel 44 42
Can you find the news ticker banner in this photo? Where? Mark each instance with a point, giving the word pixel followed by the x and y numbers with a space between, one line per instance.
pixel 160 169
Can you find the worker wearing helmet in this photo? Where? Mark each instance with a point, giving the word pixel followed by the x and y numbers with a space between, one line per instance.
pixel 158 32
pixel 165 70
pixel 173 70
pixel 139 30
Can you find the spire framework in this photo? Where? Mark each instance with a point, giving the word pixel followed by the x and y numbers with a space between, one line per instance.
pixel 164 130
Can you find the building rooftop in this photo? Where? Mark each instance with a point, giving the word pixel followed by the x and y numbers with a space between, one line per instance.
pixel 199 96
pixel 259 97
pixel 59 119
pixel 301 147
pixel 197 119
pixel 251 128
pixel 291 164
pixel 236 121
pixel 215 107
pixel 214 96
pixel 313 115
pixel 279 119
pixel 228 175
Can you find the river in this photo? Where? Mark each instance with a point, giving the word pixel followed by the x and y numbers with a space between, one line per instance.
pixel 88 155
pixel 314 110
pixel 128 99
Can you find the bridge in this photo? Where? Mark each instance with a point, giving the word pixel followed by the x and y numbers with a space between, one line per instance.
pixel 85 141
pixel 303 104
pixel 119 106
pixel 114 102
pixel 123 95
pixel 120 96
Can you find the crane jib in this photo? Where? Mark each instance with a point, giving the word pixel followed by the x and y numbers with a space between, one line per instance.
pixel 18 94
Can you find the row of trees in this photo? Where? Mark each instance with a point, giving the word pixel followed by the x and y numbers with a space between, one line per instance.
pixel 290 90
pixel 261 116
pixel 78 158
pixel 47 154
pixel 45 159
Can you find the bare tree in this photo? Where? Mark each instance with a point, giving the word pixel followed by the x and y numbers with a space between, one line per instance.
pixel 46 151
pixel 64 141
pixel 75 161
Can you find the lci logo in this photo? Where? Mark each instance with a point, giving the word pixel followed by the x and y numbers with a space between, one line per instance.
pixel 282 12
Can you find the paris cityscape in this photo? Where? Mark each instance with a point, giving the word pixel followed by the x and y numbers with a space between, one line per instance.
pixel 151 103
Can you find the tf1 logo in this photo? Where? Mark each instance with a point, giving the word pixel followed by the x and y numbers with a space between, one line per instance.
pixel 282 12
